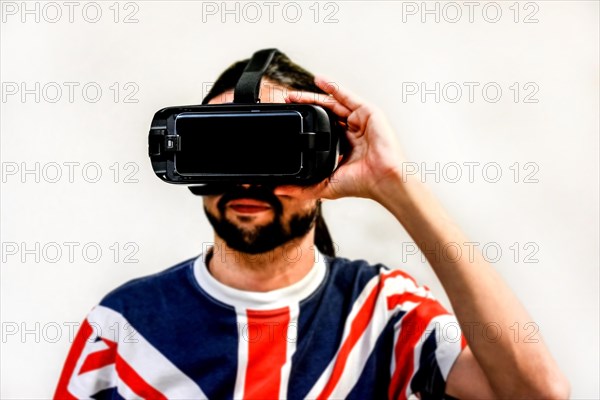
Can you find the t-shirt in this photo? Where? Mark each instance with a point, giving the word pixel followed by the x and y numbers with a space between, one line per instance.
pixel 347 329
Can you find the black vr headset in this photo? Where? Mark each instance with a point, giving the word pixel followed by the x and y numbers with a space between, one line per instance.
pixel 220 145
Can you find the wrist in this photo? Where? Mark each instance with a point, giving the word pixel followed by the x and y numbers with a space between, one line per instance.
pixel 407 198
pixel 393 188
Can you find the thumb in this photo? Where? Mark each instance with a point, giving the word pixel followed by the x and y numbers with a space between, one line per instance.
pixel 316 191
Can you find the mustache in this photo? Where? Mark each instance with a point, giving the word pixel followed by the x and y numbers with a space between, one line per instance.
pixel 261 193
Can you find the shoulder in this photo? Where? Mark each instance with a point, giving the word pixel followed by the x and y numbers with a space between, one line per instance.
pixel 360 276
pixel 362 270
pixel 345 266
pixel 149 288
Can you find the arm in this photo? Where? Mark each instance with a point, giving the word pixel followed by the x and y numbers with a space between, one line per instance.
pixel 478 296
pixel 476 291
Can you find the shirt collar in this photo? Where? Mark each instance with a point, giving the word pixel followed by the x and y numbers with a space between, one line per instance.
pixel 273 299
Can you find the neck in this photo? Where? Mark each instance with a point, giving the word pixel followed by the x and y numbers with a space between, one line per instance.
pixel 275 269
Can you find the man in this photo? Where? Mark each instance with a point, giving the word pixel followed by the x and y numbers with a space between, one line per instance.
pixel 264 314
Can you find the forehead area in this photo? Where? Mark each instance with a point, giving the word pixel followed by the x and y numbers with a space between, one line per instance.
pixel 270 92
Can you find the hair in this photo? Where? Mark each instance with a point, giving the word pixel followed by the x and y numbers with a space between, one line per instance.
pixel 286 73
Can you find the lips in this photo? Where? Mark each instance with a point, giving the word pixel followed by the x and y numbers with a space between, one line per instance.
pixel 248 206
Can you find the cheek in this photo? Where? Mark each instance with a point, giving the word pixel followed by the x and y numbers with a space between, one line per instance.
pixel 303 207
pixel 211 202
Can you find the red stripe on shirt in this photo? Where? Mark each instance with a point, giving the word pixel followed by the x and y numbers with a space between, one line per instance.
pixel 267 346
pixel 100 359
pixel 412 327
pixel 357 328
pixel 359 325
pixel 62 391
pixel 395 300
pixel 134 381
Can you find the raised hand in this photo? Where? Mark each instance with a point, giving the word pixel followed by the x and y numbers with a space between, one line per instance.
pixel 375 157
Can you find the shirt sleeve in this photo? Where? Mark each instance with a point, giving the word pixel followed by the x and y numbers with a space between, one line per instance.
pixel 427 340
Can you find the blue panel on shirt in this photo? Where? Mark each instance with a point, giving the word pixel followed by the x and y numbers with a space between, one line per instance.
pixel 196 334
pixel 108 394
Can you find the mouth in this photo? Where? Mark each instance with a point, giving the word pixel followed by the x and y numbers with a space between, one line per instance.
pixel 248 206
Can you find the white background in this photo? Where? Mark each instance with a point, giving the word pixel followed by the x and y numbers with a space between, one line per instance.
pixel 170 56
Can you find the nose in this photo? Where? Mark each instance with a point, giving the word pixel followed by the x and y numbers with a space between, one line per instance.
pixel 246 185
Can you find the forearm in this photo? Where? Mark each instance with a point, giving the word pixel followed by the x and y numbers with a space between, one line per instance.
pixel 479 296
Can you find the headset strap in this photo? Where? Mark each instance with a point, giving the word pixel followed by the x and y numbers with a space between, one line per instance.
pixel 247 88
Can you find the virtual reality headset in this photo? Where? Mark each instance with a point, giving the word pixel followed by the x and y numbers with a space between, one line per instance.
pixel 245 141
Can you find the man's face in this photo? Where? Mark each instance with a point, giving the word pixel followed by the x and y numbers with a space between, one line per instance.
pixel 253 218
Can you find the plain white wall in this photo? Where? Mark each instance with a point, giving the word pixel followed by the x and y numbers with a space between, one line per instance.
pixel 379 50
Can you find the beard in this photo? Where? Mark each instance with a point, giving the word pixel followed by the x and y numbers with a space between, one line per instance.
pixel 261 238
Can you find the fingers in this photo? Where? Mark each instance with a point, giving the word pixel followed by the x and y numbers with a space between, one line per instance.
pixel 299 192
pixel 341 101
pixel 344 96
pixel 319 99
pixel 320 190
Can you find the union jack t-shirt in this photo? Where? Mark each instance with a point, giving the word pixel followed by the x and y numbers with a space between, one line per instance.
pixel 347 330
